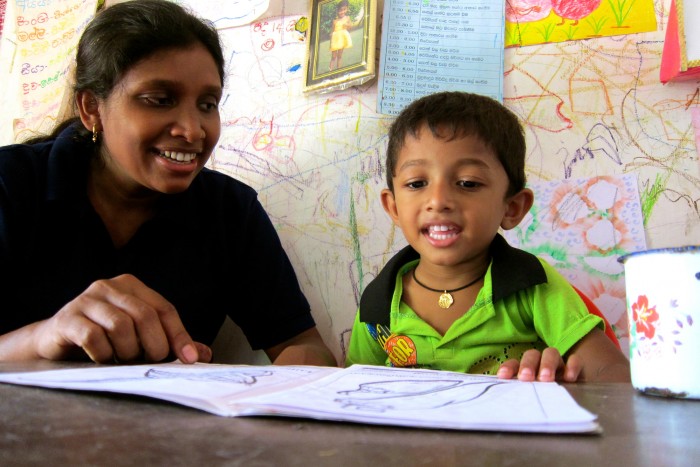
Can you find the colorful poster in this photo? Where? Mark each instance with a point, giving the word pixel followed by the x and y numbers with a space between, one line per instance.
pixel 531 22
pixel 3 6
pixel 46 34
pixel 581 227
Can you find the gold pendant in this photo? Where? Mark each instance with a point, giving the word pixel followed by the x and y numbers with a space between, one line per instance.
pixel 446 300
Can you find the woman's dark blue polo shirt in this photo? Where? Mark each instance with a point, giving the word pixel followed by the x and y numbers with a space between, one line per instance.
pixel 210 251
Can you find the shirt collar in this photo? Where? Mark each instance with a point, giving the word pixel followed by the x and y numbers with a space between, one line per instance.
pixel 512 270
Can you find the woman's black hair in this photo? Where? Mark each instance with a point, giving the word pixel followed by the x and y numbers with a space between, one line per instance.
pixel 122 35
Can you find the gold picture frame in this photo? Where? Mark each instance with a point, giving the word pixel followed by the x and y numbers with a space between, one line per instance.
pixel 341 44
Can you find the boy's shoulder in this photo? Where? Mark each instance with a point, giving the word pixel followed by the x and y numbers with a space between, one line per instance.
pixel 375 301
pixel 512 270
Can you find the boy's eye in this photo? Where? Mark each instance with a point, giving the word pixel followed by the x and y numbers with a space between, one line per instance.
pixel 416 184
pixel 468 184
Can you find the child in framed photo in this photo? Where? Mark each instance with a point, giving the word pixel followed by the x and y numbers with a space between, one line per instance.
pixel 340 36
pixel 341 44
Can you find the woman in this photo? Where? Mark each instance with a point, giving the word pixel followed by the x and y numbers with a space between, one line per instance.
pixel 115 242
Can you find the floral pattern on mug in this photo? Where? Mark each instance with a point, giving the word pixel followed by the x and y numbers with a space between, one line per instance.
pixel 644 317
pixel 654 335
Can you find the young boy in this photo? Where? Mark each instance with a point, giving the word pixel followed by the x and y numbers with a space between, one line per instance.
pixel 459 297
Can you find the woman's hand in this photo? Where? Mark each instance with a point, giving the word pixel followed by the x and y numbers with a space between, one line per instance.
pixel 114 320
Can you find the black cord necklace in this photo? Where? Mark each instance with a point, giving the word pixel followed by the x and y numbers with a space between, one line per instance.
pixel 445 301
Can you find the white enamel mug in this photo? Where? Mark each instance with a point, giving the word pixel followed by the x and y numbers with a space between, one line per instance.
pixel 663 310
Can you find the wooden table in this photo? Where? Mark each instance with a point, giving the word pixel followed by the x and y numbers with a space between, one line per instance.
pixel 54 427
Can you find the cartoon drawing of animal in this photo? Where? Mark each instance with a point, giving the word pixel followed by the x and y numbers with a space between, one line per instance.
pixel 574 10
pixel 522 11
pixel 383 396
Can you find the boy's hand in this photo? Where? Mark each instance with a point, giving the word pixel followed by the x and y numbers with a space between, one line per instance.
pixel 546 366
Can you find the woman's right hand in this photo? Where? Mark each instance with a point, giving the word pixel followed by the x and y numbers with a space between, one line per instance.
pixel 113 320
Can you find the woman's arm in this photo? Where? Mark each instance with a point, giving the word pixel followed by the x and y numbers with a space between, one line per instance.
pixel 306 348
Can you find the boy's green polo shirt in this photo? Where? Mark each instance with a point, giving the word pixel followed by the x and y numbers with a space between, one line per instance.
pixel 524 303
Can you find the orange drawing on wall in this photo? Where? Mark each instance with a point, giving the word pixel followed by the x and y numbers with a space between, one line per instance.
pixel 530 22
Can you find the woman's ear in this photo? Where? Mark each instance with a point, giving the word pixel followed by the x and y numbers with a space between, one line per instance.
pixel 389 204
pixel 517 206
pixel 88 109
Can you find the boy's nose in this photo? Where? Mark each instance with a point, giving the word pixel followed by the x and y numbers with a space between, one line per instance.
pixel 440 197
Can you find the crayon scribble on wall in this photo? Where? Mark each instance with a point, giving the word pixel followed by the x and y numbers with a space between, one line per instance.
pixel 591 110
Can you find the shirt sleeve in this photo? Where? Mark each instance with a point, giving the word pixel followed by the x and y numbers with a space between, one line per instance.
pixel 7 290
pixel 363 348
pixel 561 318
pixel 18 191
pixel 270 306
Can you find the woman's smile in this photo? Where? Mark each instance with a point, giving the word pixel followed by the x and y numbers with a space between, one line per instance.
pixel 183 157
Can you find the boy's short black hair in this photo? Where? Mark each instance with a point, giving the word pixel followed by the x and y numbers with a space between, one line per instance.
pixel 454 114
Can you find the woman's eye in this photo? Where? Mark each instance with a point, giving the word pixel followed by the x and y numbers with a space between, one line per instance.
pixel 158 101
pixel 209 106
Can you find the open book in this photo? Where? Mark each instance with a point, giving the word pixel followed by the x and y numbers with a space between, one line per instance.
pixel 360 394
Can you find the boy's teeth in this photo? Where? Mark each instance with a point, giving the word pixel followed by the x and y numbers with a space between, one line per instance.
pixel 440 232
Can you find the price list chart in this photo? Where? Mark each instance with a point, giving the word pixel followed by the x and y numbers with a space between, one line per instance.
pixel 439 45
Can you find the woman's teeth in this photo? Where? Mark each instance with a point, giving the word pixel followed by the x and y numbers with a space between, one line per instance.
pixel 178 156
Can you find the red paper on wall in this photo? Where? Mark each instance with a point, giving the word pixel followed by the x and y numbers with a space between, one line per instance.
pixel 674 61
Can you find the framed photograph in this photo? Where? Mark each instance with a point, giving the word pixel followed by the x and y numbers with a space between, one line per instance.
pixel 341 44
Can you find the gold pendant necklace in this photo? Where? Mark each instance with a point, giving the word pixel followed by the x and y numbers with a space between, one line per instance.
pixel 445 301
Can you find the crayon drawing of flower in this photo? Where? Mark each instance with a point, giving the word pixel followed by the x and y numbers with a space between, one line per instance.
pixel 644 317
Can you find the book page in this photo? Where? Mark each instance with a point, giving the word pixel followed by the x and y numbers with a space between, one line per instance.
pixel 209 387
pixel 432 399
pixel 360 394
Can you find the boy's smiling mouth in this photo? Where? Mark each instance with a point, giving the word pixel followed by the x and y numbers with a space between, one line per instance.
pixel 441 232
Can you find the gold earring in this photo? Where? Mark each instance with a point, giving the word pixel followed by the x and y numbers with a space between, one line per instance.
pixel 94 133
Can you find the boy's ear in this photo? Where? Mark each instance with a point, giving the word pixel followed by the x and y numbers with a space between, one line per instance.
pixel 517 206
pixel 88 109
pixel 389 204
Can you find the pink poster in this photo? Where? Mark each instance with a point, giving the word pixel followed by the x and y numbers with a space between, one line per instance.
pixel 3 4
